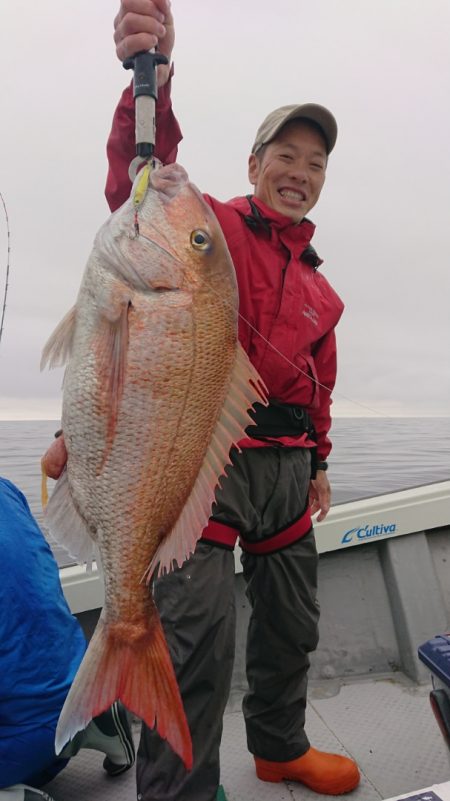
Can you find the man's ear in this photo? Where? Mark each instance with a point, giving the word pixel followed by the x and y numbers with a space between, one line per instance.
pixel 253 169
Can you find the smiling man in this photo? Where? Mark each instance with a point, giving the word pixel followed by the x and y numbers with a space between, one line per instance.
pixel 289 158
pixel 288 313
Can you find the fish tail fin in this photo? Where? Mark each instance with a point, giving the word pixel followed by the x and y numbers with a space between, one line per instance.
pixel 130 663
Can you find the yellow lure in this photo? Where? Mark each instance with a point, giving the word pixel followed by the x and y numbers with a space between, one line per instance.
pixel 142 185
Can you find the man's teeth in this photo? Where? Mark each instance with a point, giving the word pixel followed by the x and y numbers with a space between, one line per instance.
pixel 293 195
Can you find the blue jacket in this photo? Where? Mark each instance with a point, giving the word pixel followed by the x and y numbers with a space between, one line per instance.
pixel 41 645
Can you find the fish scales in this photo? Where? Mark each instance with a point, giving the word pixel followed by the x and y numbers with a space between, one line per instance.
pixel 156 390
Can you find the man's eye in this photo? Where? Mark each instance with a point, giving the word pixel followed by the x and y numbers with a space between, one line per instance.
pixel 286 156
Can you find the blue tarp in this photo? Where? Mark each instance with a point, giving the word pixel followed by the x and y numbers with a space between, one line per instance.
pixel 41 645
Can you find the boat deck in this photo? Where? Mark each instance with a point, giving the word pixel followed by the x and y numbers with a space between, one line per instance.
pixel 381 597
pixel 384 723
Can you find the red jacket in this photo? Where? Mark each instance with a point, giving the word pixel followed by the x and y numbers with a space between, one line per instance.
pixel 281 295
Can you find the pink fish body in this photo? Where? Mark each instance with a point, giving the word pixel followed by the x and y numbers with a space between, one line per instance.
pixel 156 391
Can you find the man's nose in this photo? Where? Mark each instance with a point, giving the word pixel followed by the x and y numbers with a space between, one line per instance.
pixel 298 172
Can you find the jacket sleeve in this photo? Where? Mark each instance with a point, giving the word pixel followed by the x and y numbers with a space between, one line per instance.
pixel 325 361
pixel 121 142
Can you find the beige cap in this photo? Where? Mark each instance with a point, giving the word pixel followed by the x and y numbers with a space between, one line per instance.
pixel 274 122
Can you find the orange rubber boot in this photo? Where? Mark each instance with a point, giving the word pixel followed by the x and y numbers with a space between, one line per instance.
pixel 329 774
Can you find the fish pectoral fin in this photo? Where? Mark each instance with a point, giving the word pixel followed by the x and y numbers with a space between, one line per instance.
pixel 58 348
pixel 246 388
pixel 65 524
pixel 129 662
pixel 112 366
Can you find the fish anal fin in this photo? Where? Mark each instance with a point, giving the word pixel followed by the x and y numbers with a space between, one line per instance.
pixel 246 388
pixel 130 663
pixel 58 348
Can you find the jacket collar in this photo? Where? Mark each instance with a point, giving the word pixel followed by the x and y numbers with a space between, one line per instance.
pixel 262 219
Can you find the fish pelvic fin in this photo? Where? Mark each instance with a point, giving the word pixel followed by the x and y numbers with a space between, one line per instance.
pixel 65 524
pixel 246 388
pixel 129 662
pixel 58 348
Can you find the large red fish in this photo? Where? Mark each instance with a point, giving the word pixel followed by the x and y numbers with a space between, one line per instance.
pixel 156 391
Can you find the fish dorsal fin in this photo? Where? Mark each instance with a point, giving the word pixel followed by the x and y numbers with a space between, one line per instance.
pixel 58 348
pixel 246 388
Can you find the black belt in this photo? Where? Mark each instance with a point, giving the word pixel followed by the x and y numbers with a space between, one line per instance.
pixel 280 420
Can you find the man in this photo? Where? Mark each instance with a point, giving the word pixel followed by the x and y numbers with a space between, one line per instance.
pixel 41 647
pixel 288 313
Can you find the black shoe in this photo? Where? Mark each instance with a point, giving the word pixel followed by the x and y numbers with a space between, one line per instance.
pixel 36 795
pixel 123 735
pixel 29 793
pixel 111 733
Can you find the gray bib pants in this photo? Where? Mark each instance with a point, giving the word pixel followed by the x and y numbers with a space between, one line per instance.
pixel 265 491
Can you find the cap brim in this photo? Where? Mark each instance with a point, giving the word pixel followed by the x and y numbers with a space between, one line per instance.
pixel 307 111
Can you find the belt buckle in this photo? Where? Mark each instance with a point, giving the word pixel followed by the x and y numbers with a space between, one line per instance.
pixel 299 413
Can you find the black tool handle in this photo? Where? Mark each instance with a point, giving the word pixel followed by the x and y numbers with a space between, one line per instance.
pixel 144 65
pixel 145 92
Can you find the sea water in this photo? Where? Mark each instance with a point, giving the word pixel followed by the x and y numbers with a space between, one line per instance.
pixel 370 456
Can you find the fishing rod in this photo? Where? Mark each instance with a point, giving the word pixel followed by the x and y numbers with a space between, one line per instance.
pixel 7 265
pixel 145 93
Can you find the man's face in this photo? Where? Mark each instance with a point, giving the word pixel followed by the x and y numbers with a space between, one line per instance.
pixel 290 173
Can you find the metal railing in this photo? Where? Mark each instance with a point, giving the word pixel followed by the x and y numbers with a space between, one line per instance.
pixel 347 525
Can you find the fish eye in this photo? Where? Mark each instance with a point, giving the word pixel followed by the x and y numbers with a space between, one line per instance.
pixel 200 240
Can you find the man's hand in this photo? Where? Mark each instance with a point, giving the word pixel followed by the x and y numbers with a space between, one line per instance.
pixel 142 25
pixel 55 458
pixel 320 495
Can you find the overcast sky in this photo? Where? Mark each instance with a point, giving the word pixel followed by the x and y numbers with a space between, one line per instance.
pixel 382 67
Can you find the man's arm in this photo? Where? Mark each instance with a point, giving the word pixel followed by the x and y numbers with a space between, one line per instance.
pixel 141 25
pixel 325 360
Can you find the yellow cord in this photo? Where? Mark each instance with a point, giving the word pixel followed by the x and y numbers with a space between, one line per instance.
pixel 44 491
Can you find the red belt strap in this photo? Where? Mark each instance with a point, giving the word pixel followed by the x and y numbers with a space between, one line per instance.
pixel 220 533
pixel 281 540
pixel 226 536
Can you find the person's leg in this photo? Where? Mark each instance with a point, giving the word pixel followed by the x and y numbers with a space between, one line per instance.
pixel 265 493
pixel 281 588
pixel 197 608
pixel 109 733
pixel 28 756
pixel 283 630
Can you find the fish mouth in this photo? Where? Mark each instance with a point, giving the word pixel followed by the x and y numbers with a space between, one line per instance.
pixel 168 180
